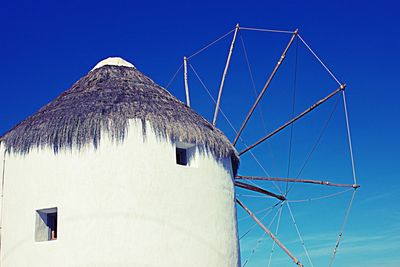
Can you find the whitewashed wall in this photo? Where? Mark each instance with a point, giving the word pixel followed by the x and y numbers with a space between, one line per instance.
pixel 120 205
pixel 2 166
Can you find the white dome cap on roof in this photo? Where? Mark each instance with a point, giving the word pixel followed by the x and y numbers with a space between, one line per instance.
pixel 114 61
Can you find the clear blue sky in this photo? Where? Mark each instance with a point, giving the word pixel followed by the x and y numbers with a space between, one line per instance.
pixel 45 46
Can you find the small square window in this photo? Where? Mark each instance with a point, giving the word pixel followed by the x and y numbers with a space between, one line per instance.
pixel 185 154
pixel 181 156
pixel 46 224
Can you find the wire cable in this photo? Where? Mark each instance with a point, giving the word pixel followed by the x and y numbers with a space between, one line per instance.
pixel 256 94
pixel 342 228
pixel 319 60
pixel 276 234
pixel 265 30
pixel 173 77
pixel 319 198
pixel 261 238
pixel 349 138
pixel 298 233
pixel 210 44
pixel 314 147
pixel 269 210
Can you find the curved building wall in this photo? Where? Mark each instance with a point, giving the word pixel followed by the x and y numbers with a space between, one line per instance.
pixel 124 204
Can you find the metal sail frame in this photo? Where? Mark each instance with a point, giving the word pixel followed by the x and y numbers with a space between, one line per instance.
pixel 254 187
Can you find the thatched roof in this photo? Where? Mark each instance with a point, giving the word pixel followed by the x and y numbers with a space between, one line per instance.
pixel 104 101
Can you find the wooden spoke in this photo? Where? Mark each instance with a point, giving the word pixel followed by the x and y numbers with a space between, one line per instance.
pixel 295 180
pixel 259 190
pixel 323 100
pixel 185 79
pixel 224 75
pixel 276 240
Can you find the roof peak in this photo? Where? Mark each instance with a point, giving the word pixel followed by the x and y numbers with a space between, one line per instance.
pixel 113 61
pixel 103 103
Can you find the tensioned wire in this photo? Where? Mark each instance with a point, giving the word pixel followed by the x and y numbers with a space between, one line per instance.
pixel 319 60
pixel 173 77
pixel 219 39
pixel 314 147
pixel 240 28
pixel 298 233
pixel 262 237
pixel 269 210
pixel 210 44
pixel 319 198
pixel 264 30
pixel 255 93
pixel 349 137
pixel 196 53
pixel 276 234
pixel 342 228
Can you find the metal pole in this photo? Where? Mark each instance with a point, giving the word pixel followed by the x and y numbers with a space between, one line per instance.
pixel 259 190
pixel 265 86
pixel 186 81
pixel 224 75
pixel 295 180
pixel 276 240
pixel 342 87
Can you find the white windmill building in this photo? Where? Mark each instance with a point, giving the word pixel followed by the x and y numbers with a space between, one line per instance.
pixel 117 172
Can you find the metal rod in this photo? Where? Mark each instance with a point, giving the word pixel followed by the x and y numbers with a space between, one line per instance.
pixel 185 78
pixel 259 190
pixel 265 86
pixel 224 75
pixel 295 180
pixel 342 87
pixel 274 238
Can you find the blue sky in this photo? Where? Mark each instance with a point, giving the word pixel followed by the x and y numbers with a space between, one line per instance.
pixel 45 46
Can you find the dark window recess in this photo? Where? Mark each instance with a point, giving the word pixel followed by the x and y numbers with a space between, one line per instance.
pixel 46 224
pixel 181 156
pixel 52 223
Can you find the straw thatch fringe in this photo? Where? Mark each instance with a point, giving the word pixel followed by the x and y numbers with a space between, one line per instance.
pixel 104 101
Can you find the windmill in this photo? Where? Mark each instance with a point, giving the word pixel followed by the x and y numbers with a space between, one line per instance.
pixel 144 178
